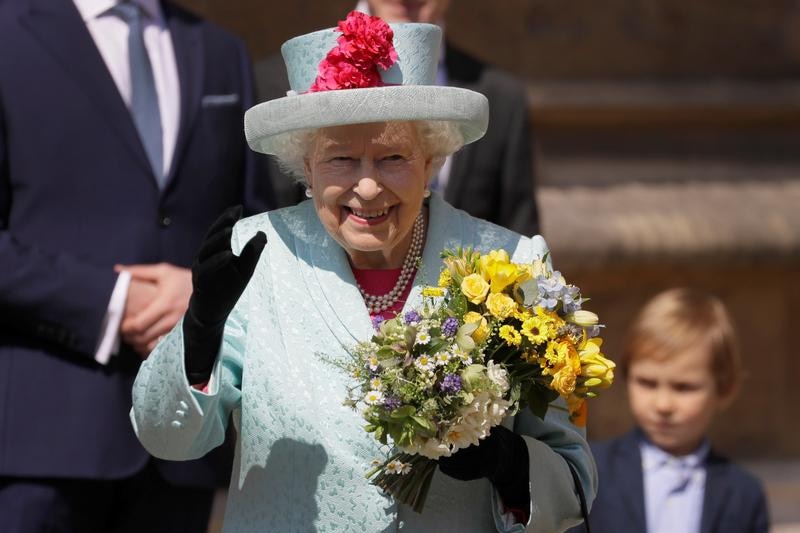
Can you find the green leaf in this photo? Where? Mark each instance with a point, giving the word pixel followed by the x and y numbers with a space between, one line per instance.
pixel 427 426
pixel 403 412
pixel 537 401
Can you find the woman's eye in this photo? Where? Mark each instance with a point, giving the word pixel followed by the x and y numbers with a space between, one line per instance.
pixel 342 158
pixel 394 157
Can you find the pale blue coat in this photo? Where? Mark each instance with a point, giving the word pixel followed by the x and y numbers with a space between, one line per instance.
pixel 301 455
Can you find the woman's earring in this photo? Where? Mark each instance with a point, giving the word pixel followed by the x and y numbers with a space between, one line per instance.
pixel 309 194
pixel 426 193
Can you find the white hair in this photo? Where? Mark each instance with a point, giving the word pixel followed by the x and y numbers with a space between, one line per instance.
pixel 439 139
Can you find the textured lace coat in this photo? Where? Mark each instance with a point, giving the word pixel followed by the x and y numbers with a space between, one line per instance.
pixel 301 455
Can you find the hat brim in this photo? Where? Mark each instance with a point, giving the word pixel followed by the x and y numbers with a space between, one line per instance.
pixel 265 122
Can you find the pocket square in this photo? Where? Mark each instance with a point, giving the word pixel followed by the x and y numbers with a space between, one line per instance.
pixel 211 100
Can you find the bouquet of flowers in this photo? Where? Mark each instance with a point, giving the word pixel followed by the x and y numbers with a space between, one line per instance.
pixel 494 337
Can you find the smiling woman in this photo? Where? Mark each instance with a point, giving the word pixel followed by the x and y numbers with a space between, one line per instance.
pixel 364 128
pixel 368 182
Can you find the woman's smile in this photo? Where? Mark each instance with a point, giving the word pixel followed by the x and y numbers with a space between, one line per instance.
pixel 367 217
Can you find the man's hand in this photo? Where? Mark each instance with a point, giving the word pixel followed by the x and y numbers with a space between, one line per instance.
pixel 170 288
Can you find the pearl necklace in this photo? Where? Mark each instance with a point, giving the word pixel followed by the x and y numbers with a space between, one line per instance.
pixel 379 303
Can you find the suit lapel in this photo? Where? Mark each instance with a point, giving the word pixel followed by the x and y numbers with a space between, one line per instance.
pixel 60 29
pixel 188 45
pixel 629 469
pixel 716 493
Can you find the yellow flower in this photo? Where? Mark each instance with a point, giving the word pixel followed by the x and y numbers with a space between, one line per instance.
pixel 457 266
pixel 560 354
pixel 482 332
pixel 595 367
pixel 500 305
pixel 510 335
pixel 496 268
pixel 503 276
pixel 444 278
pixel 433 291
pixel 524 273
pixel 492 259
pixel 535 329
pixel 582 318
pixel 578 410
pixel 551 318
pixel 474 288
pixel 564 381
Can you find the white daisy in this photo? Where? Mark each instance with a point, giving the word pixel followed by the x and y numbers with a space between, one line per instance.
pixel 398 467
pixel 424 362
pixel 441 358
pixel 375 384
pixel 372 362
pixel 373 397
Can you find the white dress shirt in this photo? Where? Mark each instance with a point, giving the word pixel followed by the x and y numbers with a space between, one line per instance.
pixel 110 34
pixel 674 488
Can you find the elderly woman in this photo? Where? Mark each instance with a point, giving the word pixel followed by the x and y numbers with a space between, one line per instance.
pixel 366 129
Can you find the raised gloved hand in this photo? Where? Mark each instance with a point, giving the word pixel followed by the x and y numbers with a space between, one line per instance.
pixel 218 280
pixel 501 457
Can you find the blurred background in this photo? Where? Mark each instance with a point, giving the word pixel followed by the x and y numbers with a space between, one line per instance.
pixel 667 142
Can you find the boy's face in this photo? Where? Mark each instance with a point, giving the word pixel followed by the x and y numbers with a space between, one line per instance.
pixel 674 400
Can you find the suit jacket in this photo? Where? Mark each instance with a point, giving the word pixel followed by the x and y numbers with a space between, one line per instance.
pixel 734 500
pixel 492 178
pixel 76 197
pixel 301 455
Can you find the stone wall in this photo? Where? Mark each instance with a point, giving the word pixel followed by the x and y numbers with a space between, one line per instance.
pixel 668 154
pixel 542 39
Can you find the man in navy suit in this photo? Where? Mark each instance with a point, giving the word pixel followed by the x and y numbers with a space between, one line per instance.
pixel 120 142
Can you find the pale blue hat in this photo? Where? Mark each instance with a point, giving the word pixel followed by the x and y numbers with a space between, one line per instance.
pixel 410 92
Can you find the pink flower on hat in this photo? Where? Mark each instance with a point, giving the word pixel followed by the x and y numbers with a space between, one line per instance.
pixel 364 46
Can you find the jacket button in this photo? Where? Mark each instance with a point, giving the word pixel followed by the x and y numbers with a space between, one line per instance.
pixel 176 424
pixel 164 221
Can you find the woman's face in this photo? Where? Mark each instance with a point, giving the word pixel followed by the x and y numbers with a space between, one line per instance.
pixel 368 183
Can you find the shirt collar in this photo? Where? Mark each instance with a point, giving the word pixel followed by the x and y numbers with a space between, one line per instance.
pixel 654 457
pixel 91 9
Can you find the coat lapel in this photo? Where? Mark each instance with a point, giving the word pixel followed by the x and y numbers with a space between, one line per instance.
pixel 330 282
pixel 60 29
pixel 188 45
pixel 629 469
pixel 716 493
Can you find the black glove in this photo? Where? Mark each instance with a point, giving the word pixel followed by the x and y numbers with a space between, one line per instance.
pixel 502 457
pixel 218 280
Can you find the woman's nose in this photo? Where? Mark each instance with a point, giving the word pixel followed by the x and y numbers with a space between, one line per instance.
pixel 368 185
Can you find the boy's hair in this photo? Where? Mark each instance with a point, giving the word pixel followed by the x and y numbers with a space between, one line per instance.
pixel 679 319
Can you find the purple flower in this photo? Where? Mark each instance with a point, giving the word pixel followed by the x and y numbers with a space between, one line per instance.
pixel 449 326
pixel 412 317
pixel 377 320
pixel 390 403
pixel 450 384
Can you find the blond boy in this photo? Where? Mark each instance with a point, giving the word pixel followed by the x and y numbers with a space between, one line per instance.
pixel 682 366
